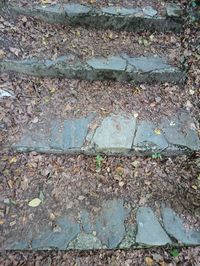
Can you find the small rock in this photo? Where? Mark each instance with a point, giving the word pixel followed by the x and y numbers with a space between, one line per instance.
pixel 174 10
pixel 81 198
pixel 158 99
pixel 149 11
pixel 5 93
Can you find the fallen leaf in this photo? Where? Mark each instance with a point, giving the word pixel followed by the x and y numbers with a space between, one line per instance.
pixel 2 53
pixel 15 51
pixel 34 202
pixel 13 160
pixel 44 2
pixel 2 222
pixel 157 131
pixel 194 187
pixel 121 184
pixel 119 170
pixel 149 261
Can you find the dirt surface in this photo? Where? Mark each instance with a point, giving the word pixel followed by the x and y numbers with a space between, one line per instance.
pixel 26 38
pixel 143 181
pixel 154 257
pixel 63 179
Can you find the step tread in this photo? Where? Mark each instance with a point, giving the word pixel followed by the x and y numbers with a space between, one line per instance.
pixel 107 229
pixel 112 17
pixel 119 67
pixel 120 134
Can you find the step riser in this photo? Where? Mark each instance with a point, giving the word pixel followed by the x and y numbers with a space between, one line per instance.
pixel 105 18
pixel 117 68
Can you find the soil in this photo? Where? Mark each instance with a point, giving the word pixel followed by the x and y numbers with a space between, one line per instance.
pixel 63 179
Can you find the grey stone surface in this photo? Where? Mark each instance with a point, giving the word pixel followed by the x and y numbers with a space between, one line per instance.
pixel 85 242
pixel 115 134
pixel 76 10
pixel 148 64
pixel 149 11
pixel 150 232
pixel 35 139
pixel 175 228
pixel 69 134
pixel 112 17
pixel 146 138
pixel 108 223
pixel 109 63
pixel 111 68
pixel 6 93
pixel 51 239
pixel 174 10
pixel 180 131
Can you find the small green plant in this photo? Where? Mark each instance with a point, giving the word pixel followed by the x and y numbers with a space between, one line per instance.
pixel 174 253
pixel 156 156
pixel 99 160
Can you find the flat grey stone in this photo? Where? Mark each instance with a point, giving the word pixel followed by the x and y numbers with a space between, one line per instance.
pixel 36 139
pixel 5 93
pixel 147 139
pixel 69 134
pixel 50 239
pixel 111 10
pixel 150 231
pixel 108 223
pixel 112 17
pixel 115 63
pixel 149 11
pixel 115 134
pixel 180 131
pixel 76 10
pixel 85 242
pixel 148 64
pixel 174 10
pixel 119 67
pixel 175 228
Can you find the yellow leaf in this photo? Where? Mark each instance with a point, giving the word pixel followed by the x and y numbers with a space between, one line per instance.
pixel 149 261
pixel 34 202
pixel 194 187
pixel 2 222
pixel 157 131
pixel 13 160
pixel 119 170
pixel 46 2
pixel 2 53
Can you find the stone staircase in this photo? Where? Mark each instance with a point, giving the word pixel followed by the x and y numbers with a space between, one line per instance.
pixel 108 224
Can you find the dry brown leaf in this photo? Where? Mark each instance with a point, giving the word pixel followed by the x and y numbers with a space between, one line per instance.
pixel 149 261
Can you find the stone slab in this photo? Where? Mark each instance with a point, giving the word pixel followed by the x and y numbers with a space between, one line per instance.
pixel 102 226
pixel 69 134
pixel 108 224
pixel 112 17
pixel 115 134
pixel 175 228
pixel 148 139
pixel 180 131
pixel 150 232
pixel 118 68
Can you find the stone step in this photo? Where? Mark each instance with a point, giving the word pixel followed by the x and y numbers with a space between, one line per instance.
pixel 111 17
pixel 106 228
pixel 118 68
pixel 116 134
